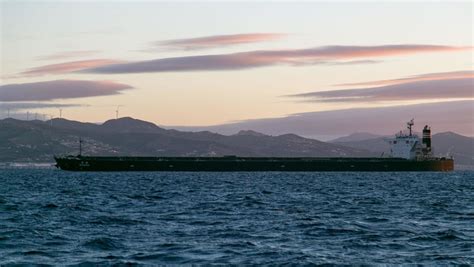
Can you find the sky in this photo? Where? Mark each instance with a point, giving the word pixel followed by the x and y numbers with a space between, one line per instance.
pixel 214 63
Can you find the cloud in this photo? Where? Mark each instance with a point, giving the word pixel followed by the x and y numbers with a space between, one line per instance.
pixel 422 77
pixel 218 41
pixel 261 58
pixel 336 63
pixel 69 54
pixel 67 67
pixel 13 106
pixel 355 62
pixel 416 90
pixel 442 116
pixel 58 89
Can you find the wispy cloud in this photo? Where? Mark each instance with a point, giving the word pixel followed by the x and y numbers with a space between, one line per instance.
pixel 422 77
pixel 261 58
pixel 59 89
pixel 416 89
pixel 13 106
pixel 67 67
pixel 218 41
pixel 69 54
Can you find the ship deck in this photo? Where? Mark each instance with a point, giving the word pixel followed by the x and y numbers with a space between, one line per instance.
pixel 83 163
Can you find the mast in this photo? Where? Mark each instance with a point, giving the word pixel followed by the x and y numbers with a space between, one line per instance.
pixel 80 146
pixel 410 125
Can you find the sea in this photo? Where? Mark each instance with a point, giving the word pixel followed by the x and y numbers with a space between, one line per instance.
pixel 53 217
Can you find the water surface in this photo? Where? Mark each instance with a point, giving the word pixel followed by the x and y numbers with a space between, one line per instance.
pixel 56 217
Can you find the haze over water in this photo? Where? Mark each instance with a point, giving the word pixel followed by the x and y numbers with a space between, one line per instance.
pixel 54 217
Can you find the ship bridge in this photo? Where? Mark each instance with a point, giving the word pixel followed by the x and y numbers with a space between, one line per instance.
pixel 408 145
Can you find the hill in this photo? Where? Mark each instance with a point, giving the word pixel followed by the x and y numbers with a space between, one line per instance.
pixel 38 141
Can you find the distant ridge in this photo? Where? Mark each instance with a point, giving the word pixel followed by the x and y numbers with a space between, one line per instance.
pixel 326 125
pixel 73 125
pixel 125 124
pixel 250 133
pixel 128 124
pixel 358 136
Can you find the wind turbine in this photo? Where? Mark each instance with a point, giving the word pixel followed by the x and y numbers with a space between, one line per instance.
pixel 117 111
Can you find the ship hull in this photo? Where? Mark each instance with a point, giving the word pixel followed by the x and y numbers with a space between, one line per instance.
pixel 251 164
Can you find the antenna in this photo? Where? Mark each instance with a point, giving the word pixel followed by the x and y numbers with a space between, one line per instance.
pixel 80 146
pixel 410 124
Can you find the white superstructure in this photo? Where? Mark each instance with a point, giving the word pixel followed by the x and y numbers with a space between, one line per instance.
pixel 409 146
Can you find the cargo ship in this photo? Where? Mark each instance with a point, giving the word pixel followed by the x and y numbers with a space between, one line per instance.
pixel 407 153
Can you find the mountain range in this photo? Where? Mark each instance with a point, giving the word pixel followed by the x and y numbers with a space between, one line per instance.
pixel 39 141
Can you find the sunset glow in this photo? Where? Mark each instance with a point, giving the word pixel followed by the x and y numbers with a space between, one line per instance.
pixel 204 64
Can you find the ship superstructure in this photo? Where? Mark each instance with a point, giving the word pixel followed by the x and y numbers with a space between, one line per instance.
pixel 408 145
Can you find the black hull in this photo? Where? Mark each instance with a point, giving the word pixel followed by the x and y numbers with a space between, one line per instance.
pixel 235 164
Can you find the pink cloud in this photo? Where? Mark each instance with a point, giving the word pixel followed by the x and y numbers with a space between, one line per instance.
pixel 296 57
pixel 219 40
pixel 347 52
pixel 423 77
pixel 59 89
pixel 424 89
pixel 69 54
pixel 67 67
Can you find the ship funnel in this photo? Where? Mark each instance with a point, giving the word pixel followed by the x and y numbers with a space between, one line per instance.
pixel 426 140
